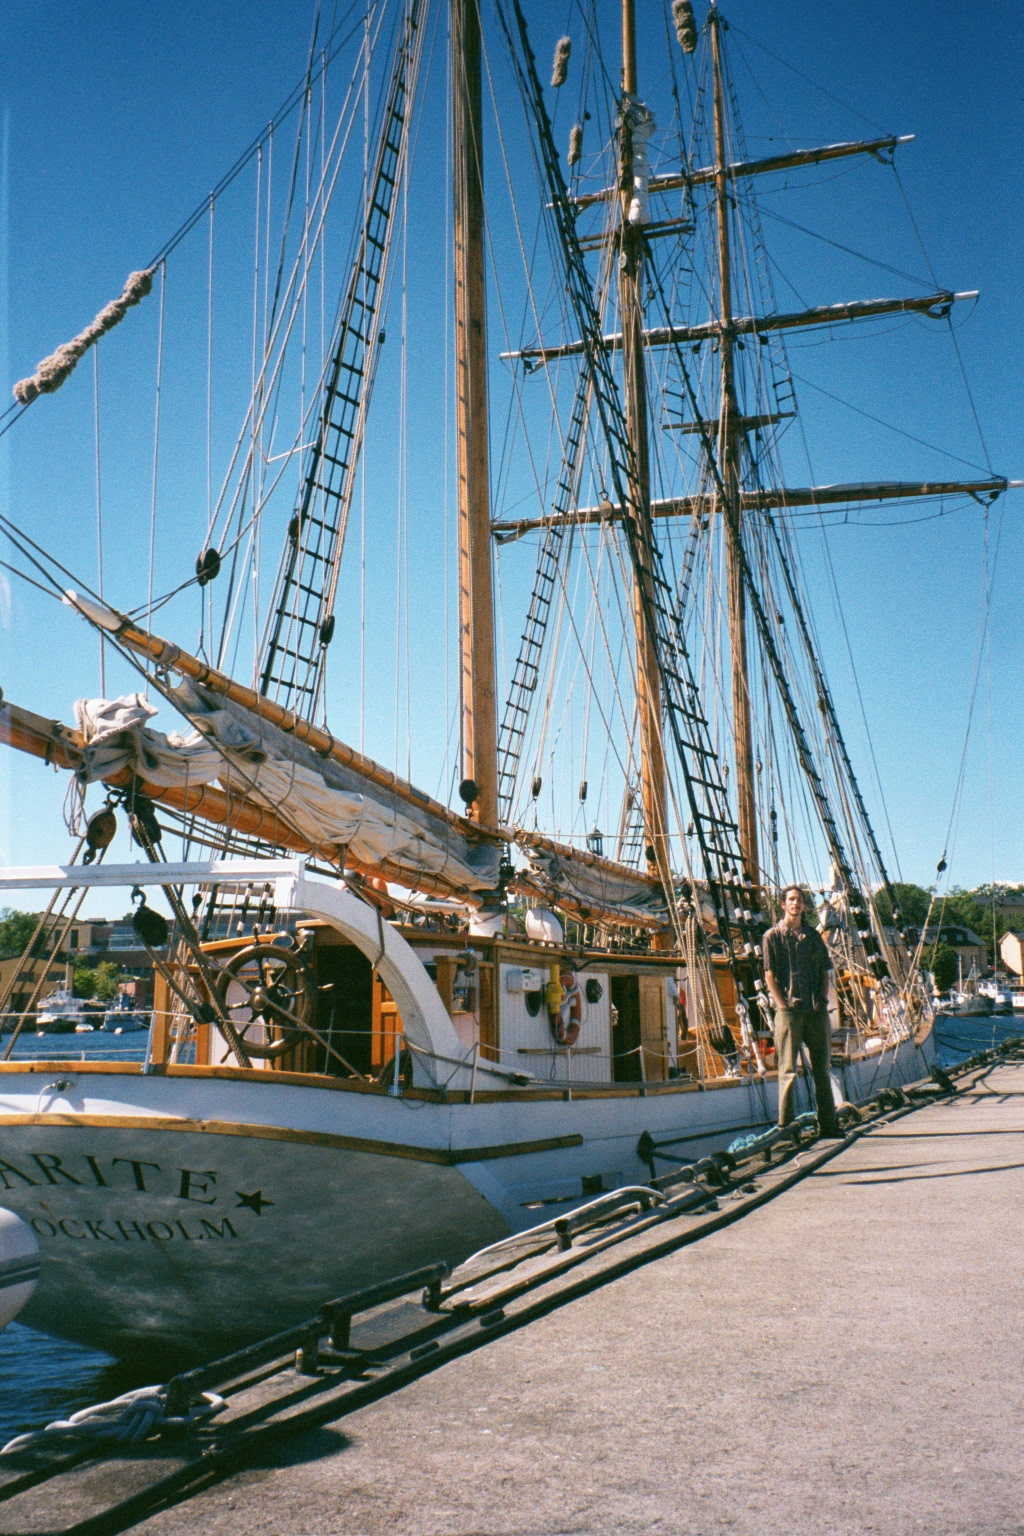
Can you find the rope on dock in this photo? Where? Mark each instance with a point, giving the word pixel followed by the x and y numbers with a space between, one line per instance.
pixel 125 1420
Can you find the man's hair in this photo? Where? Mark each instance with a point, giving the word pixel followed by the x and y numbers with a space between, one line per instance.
pixel 798 888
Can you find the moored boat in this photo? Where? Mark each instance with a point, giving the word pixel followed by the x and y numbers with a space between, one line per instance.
pixel 60 1013
pixel 178 1206
pixel 434 1023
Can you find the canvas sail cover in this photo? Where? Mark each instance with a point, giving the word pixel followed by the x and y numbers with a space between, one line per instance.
pixel 597 888
pixel 321 798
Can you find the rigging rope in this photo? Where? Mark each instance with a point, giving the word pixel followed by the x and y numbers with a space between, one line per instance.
pixel 99 508
pixel 53 370
pixel 156 444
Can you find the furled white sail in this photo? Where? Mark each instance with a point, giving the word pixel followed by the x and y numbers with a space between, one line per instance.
pixel 319 797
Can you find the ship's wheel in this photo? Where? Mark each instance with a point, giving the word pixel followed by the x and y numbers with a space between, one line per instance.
pixel 269 995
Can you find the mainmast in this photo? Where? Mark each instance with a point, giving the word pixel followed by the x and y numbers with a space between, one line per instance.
pixel 729 428
pixel 635 128
pixel 476 601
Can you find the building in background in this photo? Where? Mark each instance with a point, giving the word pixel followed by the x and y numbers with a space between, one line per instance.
pixel 1011 947
pixel 89 941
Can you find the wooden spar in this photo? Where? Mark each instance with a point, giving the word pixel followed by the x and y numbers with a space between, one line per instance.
pixel 476 601
pixel 629 46
pixel 758 325
pixel 634 371
pixel 731 512
pixel 776 496
pixel 739 168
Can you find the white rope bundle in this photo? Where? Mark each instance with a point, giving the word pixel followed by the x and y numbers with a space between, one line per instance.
pixel 53 370
pixel 560 67
pixel 124 1420
pixel 575 143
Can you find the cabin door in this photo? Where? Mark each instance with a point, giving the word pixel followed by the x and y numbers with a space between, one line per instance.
pixel 387 1026
pixel 653 1033
pixel 344 1009
pixel 626 1029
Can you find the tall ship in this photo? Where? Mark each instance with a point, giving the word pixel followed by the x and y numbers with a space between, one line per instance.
pixel 393 1026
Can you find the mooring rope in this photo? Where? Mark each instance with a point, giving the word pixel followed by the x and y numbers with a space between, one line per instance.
pixel 126 1420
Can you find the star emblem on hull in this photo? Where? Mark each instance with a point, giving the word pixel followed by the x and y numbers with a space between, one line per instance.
pixel 254 1202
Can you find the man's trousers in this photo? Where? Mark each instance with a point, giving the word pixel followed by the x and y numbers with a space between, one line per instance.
pixel 793 1028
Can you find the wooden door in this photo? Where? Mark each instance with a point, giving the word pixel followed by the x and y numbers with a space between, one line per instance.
pixel 387 1026
pixel 653 1033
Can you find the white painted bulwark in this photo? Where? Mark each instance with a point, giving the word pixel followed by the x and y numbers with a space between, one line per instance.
pixel 523 1033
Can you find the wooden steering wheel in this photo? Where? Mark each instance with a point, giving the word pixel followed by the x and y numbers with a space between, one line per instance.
pixel 269 994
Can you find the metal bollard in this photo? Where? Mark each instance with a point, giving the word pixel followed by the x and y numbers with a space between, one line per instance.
pixel 307 1356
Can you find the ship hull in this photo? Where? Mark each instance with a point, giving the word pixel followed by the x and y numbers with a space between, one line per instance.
pixel 183 1214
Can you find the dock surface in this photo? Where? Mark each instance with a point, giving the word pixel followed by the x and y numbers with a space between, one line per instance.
pixel 845 1358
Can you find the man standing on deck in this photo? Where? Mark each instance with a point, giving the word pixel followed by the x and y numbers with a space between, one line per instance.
pixel 796 967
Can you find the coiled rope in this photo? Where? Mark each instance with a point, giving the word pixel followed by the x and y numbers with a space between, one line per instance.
pixel 125 1420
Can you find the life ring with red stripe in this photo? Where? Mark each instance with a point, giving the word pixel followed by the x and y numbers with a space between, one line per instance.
pixel 567 1030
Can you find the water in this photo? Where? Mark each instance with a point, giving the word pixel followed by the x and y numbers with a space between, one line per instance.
pixel 71 1048
pixel 42 1378
pixel 957 1038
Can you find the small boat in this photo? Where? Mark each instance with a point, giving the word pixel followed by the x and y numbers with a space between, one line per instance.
pixel 1000 995
pixel 60 1013
pixel 123 1018
pixel 970 1005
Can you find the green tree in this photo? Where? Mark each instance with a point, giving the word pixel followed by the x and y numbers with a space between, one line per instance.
pixel 83 979
pixel 944 963
pixel 971 910
pixel 912 903
pixel 16 929
pixel 100 982
pixel 108 978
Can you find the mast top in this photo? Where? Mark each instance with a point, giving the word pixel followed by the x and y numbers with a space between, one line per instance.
pixel 629 47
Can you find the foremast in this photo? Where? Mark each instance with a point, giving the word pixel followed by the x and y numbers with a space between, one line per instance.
pixel 729 460
pixel 635 127
pixel 476 600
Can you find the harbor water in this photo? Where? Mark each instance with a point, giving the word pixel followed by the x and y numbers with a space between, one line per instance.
pixel 42 1378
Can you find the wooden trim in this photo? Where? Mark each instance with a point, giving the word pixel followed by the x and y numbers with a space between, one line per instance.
pixel 262 1077
pixel 444 1157
pixel 489 1013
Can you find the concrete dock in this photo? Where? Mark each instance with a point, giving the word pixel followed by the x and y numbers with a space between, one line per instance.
pixel 847 1358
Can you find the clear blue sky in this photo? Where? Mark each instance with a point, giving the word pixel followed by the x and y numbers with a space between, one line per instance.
pixel 119 120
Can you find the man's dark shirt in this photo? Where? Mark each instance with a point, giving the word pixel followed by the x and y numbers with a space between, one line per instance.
pixel 799 962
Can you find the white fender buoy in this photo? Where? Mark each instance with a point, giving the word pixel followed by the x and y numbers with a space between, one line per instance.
pixel 19 1265
pixel 544 925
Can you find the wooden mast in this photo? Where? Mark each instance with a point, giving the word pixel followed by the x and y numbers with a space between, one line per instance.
pixel 476 600
pixel 652 756
pixel 729 460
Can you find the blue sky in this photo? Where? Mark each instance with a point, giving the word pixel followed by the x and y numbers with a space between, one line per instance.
pixel 121 118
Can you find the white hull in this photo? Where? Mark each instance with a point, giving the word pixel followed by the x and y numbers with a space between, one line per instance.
pixel 181 1212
